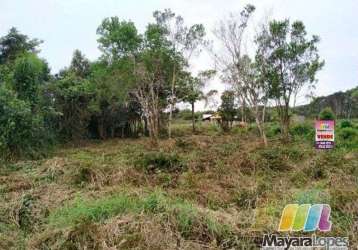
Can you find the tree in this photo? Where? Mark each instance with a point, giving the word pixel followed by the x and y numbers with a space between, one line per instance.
pixel 152 74
pixel 80 65
pixel 290 61
pixel 147 60
pixel 14 44
pixel 114 110
pixel 253 84
pixel 72 96
pixel 29 73
pixel 22 132
pixel 230 32
pixel 118 39
pixel 185 41
pixel 192 90
pixel 227 109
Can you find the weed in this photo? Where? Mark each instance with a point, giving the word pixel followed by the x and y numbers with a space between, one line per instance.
pixel 25 215
pixel 154 162
pixel 274 159
pixel 348 133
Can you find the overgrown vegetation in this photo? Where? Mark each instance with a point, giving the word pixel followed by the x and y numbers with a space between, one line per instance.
pixel 129 171
pixel 198 191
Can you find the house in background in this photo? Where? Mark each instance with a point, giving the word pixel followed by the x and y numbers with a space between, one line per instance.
pixel 213 118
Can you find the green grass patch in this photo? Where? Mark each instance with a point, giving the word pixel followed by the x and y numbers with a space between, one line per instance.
pixel 188 219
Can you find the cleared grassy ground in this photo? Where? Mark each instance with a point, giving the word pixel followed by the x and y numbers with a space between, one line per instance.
pixel 204 191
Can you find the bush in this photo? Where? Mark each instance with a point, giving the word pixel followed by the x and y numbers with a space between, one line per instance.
pixel 346 124
pixel 22 133
pixel 303 130
pixel 348 138
pixel 274 159
pixel 159 161
pixel 348 133
pixel 273 130
pixel 316 172
pixel 327 114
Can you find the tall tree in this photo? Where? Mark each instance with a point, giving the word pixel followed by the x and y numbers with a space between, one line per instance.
pixel 152 77
pixel 253 84
pixel 80 65
pixel 185 41
pixel 290 61
pixel 29 73
pixel 118 39
pixel 230 33
pixel 15 44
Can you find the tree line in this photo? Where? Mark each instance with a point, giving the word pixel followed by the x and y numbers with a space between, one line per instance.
pixel 132 89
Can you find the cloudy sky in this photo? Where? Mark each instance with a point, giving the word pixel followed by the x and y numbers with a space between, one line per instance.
pixel 66 25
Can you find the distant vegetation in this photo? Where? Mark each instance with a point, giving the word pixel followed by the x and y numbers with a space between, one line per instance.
pixel 133 88
pixel 343 104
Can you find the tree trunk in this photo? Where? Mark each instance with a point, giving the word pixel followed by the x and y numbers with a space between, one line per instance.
pixel 172 104
pixel 101 129
pixel 243 110
pixel 260 126
pixel 193 116
pixel 285 120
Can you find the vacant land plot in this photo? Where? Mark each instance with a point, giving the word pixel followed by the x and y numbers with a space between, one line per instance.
pixel 204 191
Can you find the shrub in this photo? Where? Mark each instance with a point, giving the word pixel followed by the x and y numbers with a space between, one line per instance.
pixel 346 124
pixel 182 143
pixel 317 172
pixel 160 161
pixel 22 133
pixel 25 217
pixel 274 159
pixel 246 198
pixel 273 129
pixel 302 129
pixel 327 114
pixel 348 133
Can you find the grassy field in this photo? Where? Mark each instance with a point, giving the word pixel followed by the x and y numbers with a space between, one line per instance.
pixel 207 190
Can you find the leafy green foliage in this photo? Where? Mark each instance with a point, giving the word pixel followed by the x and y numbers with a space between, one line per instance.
pixel 327 114
pixel 80 65
pixel 72 96
pixel 287 61
pixel 346 124
pixel 21 131
pixel 118 38
pixel 227 110
pixel 15 44
pixel 348 133
pixel 303 130
pixel 28 76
